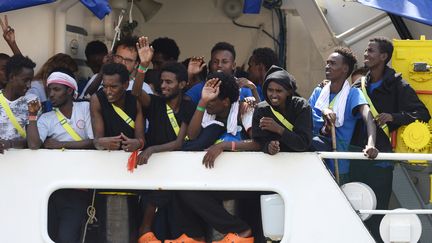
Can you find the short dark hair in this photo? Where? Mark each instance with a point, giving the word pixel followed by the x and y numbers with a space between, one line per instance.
pixel 116 68
pixel 16 63
pixel 178 69
pixel 224 46
pixel 128 42
pixel 348 58
pixel 360 71
pixel 228 87
pixel 265 56
pixel 4 56
pixel 167 47
pixel 95 47
pixel 384 46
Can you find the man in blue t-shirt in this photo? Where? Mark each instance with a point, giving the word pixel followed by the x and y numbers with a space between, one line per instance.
pixel 222 60
pixel 339 105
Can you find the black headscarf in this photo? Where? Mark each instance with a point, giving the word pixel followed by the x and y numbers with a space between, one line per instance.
pixel 281 77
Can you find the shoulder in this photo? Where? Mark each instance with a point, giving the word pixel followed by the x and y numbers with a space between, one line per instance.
pixel 47 117
pixel 197 87
pixel 300 102
pixel 82 105
pixel 188 104
pixel 316 92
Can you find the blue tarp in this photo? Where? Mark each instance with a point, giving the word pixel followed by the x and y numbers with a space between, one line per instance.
pixel 252 6
pixel 417 10
pixel 9 5
pixel 100 8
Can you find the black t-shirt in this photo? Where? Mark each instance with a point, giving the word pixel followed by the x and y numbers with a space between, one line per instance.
pixel 113 123
pixel 160 130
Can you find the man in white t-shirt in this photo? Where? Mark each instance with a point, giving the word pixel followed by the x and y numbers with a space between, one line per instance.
pixel 67 126
pixel 19 73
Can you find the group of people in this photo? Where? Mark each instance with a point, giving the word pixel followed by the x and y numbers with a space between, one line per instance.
pixel 189 107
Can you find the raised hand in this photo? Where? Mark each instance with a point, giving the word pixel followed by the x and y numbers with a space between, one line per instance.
pixel 145 51
pixel 210 90
pixel 8 32
pixel 33 107
pixel 196 65
pixel 244 82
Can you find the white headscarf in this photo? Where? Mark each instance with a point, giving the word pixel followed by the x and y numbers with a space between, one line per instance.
pixel 65 79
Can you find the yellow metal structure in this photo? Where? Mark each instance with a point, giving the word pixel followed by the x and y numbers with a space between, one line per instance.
pixel 413 58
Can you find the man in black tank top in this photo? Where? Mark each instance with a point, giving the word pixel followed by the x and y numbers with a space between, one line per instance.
pixel 116 115
pixel 118 124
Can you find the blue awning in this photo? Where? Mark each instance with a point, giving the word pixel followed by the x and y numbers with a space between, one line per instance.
pixel 417 10
pixel 9 5
pixel 100 8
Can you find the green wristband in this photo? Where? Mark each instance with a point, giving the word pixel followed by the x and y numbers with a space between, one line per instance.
pixel 200 108
pixel 144 69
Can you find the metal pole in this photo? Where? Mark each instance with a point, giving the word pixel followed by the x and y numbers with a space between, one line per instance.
pixel 381 156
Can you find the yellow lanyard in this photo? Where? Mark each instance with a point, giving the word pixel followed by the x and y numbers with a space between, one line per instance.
pixel 11 116
pixel 124 116
pixel 67 126
pixel 373 110
pixel 282 119
pixel 173 121
pixel 331 105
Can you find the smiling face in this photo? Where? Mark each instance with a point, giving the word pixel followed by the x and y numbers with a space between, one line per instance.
pixel 335 68
pixel 222 60
pixel 277 95
pixel 170 86
pixel 373 57
pixel 113 88
pixel 21 81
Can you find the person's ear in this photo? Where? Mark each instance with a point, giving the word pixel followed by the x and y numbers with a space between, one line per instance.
pixel 226 102
pixel 69 91
pixel 346 69
pixel 125 84
pixel 182 84
pixel 383 56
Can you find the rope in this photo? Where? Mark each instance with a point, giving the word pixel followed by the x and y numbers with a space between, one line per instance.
pixel 91 212
pixel 130 12
pixel 117 29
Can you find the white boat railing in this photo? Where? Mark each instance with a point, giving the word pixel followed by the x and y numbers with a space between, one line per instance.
pixel 315 207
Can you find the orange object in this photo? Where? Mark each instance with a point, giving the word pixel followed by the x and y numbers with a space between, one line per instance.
pixel 234 238
pixel 148 237
pixel 132 161
pixel 183 239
